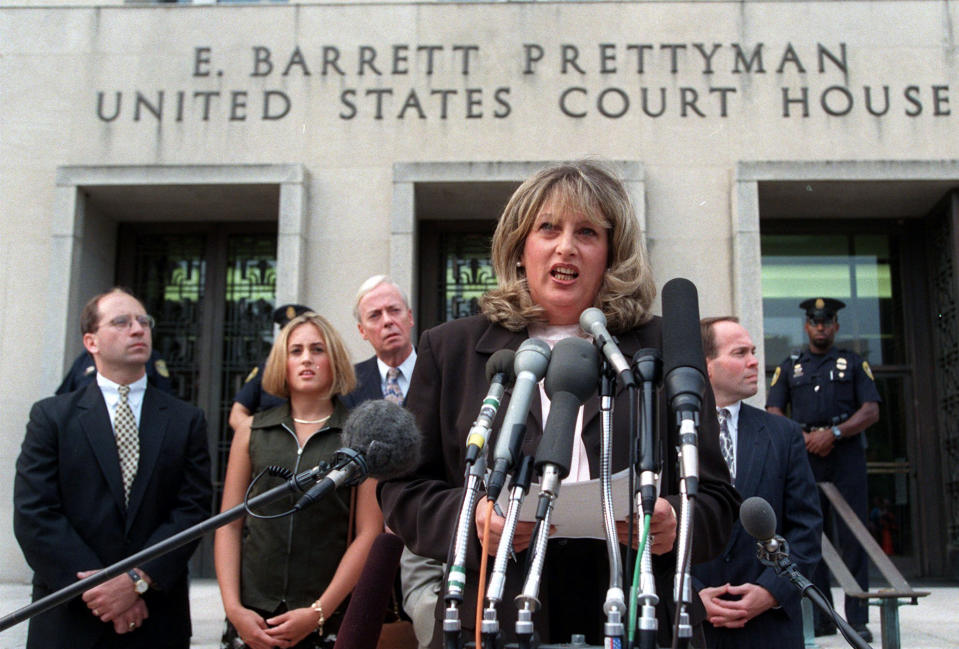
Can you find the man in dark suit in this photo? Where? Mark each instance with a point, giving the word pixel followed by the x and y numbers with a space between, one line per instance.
pixel 104 472
pixel 747 604
pixel 384 319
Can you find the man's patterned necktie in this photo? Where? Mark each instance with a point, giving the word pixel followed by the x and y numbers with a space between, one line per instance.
pixel 128 441
pixel 726 443
pixel 393 392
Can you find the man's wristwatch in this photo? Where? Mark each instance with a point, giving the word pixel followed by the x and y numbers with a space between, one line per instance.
pixel 836 433
pixel 139 583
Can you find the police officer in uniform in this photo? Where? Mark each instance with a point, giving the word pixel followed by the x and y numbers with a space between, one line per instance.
pixel 833 395
pixel 251 398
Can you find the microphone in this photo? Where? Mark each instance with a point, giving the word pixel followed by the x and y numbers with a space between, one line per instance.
pixel 500 374
pixel 380 439
pixel 572 376
pixel 530 363
pixel 684 370
pixel 571 379
pixel 593 321
pixel 759 521
pixel 685 366
pixel 685 381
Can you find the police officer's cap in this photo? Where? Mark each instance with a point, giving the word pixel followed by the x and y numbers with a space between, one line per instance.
pixel 821 307
pixel 283 314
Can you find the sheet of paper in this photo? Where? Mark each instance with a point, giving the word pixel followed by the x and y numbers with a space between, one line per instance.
pixel 578 511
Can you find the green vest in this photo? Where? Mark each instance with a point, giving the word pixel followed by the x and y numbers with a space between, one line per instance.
pixel 291 560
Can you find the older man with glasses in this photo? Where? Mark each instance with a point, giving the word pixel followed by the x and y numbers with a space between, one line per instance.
pixel 104 472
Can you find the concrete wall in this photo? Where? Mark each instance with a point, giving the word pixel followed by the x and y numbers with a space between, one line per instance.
pixel 292 94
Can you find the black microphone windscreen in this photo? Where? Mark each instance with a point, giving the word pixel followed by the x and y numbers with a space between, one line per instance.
pixel 573 367
pixel 571 378
pixel 386 434
pixel 682 341
pixel 758 518
pixel 501 363
pixel 363 620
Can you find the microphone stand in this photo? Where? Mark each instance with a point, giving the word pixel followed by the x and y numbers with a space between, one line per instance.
pixel 688 489
pixel 615 604
pixel 648 366
pixel 456 575
pixel 528 602
pixel 298 483
pixel 775 554
pixel 494 593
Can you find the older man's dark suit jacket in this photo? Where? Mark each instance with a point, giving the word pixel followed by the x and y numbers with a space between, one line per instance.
pixel 770 463
pixel 447 388
pixel 368 383
pixel 69 514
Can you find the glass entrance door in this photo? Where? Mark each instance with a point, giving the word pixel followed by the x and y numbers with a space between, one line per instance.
pixel 211 289
pixel 862 270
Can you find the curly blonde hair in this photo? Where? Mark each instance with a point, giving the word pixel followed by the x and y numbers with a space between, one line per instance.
pixel 274 373
pixel 586 186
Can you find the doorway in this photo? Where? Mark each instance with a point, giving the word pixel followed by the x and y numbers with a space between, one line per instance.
pixel 871 267
pixel 212 290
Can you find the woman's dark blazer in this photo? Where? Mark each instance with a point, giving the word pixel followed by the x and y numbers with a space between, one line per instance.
pixel 447 388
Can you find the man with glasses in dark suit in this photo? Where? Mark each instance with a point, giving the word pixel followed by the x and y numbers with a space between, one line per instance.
pixel 104 472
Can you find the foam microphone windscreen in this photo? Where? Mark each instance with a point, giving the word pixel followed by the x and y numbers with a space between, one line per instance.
pixel 501 363
pixel 758 518
pixel 387 436
pixel 572 378
pixel 684 367
pixel 682 341
pixel 363 619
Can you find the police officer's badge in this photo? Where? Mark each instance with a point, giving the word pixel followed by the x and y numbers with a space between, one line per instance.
pixel 841 363
pixel 868 371
pixel 779 371
pixel 160 366
pixel 249 377
pixel 820 303
pixel 290 314
pixel 797 369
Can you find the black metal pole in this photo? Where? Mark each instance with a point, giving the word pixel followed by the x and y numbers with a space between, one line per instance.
pixel 292 485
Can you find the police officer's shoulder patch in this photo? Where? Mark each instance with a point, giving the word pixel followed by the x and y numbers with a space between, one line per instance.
pixel 253 373
pixel 779 371
pixel 161 368
pixel 868 370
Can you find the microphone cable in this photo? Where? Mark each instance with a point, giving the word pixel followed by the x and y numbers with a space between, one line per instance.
pixel 481 586
pixel 634 587
pixel 279 472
